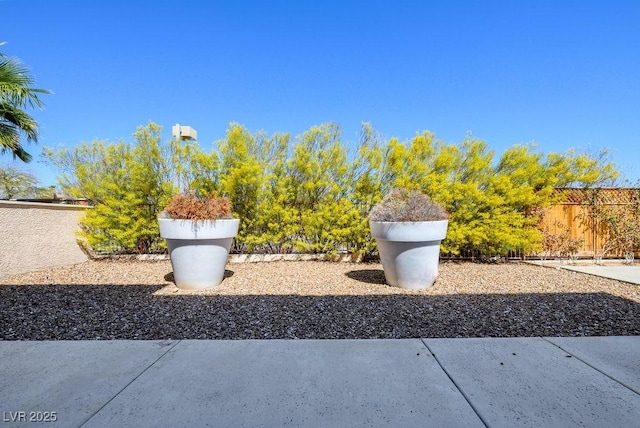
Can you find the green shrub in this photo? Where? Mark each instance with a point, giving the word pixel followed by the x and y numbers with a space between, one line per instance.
pixel 314 195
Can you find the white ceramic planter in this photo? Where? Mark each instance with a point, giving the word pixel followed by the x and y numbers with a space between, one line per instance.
pixel 198 250
pixel 409 251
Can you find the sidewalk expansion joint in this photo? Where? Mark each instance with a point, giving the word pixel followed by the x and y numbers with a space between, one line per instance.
pixel 467 399
pixel 629 387
pixel 130 382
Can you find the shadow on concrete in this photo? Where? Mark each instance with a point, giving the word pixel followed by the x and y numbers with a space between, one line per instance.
pixel 50 312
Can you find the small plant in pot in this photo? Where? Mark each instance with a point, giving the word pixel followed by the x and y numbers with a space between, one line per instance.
pixel 199 232
pixel 408 227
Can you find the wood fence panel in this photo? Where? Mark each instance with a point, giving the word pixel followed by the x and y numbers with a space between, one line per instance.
pixel 559 217
pixel 571 214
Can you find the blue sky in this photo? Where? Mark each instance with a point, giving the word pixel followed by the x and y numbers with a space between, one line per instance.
pixel 562 74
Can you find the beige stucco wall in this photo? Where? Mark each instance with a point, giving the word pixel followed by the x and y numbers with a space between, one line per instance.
pixel 37 236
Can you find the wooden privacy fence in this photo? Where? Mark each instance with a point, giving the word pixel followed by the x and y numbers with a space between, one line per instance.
pixel 572 214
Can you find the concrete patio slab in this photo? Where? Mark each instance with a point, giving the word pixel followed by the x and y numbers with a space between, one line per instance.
pixel 323 383
pixel 67 382
pixel 624 273
pixel 510 382
pixel 616 356
pixel 531 382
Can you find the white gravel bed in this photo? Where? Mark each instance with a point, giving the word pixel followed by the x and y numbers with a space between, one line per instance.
pixel 120 299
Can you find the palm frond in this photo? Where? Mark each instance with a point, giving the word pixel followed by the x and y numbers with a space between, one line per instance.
pixel 16 94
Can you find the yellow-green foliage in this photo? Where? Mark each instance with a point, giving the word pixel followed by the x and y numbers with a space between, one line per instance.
pixel 316 190
pixel 250 166
pixel 313 195
pixel 191 168
pixel 365 189
pixel 128 185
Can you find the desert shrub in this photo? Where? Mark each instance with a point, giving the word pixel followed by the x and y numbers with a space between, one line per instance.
pixel 127 184
pixel 560 244
pixel 313 195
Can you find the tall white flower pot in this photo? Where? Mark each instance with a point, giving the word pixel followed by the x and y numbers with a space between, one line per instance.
pixel 409 251
pixel 198 250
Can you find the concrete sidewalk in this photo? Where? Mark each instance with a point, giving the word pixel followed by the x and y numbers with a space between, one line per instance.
pixel 612 270
pixel 510 382
pixel 629 274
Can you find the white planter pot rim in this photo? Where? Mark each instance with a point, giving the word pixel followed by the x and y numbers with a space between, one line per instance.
pixel 409 231
pixel 206 229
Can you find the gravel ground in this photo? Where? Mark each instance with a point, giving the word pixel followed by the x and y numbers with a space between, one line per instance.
pixel 116 299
